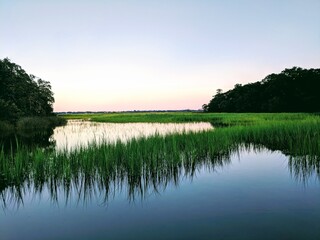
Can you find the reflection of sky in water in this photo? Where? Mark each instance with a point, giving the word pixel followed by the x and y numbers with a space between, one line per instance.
pixel 252 196
pixel 80 133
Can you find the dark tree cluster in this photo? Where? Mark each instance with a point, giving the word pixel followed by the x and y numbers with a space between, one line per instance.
pixel 292 90
pixel 21 94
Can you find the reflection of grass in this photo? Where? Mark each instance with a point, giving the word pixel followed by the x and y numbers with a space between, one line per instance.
pixel 151 163
pixel 141 165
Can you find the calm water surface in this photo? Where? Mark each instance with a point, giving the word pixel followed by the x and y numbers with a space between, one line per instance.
pixel 254 194
pixel 80 133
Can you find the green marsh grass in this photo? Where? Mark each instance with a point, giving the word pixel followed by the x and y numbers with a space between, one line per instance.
pixel 224 119
pixel 149 164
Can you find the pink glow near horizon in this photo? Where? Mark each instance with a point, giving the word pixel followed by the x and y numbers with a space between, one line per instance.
pixel 120 55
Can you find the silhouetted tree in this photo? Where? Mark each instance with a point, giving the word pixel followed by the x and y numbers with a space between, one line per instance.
pixel 292 90
pixel 21 94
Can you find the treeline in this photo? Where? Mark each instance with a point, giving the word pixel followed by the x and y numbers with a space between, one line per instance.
pixel 23 96
pixel 292 90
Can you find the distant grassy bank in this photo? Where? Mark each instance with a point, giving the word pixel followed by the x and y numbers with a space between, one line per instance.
pixel 224 119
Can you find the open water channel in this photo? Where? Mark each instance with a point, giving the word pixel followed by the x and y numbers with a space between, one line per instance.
pixel 254 193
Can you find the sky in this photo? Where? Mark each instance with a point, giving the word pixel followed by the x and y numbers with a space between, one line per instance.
pixel 102 55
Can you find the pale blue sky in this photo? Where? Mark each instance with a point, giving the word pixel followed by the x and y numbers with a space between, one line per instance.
pixel 127 55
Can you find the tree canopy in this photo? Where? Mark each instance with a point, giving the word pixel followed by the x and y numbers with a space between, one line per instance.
pixel 292 90
pixel 22 94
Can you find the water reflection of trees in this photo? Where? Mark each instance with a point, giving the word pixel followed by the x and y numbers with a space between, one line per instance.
pixel 27 139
